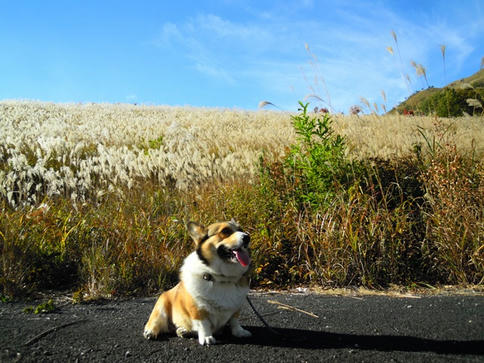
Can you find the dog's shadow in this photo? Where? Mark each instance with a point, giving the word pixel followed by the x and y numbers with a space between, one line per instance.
pixel 308 339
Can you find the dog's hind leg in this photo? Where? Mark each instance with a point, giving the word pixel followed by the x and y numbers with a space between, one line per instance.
pixel 159 320
pixel 236 328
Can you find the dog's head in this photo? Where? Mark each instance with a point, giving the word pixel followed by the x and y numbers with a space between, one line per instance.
pixel 223 242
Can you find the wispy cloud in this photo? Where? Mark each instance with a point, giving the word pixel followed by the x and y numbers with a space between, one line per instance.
pixel 215 72
pixel 238 51
pixel 131 97
pixel 168 36
pixel 268 51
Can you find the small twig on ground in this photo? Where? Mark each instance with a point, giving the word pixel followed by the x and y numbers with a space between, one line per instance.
pixel 48 331
pixel 289 307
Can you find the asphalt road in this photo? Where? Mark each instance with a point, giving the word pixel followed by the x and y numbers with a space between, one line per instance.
pixel 328 328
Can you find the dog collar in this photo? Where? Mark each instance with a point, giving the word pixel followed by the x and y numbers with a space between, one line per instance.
pixel 224 279
pixel 220 278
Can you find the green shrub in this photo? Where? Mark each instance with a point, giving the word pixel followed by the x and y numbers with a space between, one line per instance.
pixel 316 165
pixel 451 102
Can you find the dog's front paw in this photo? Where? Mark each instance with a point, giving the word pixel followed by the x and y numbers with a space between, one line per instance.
pixel 148 334
pixel 240 332
pixel 203 340
pixel 181 332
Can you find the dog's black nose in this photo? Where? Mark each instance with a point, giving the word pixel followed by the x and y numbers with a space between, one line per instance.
pixel 246 239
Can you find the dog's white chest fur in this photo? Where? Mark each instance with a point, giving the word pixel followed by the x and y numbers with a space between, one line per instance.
pixel 221 294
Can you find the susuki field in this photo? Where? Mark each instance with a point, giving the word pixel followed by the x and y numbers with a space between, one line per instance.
pixel 94 197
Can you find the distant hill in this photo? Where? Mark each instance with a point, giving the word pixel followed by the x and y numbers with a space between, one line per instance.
pixel 476 81
pixel 451 100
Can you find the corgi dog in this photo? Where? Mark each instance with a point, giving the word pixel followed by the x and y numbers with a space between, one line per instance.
pixel 212 288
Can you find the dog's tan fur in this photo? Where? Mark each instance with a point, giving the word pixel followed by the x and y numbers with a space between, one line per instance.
pixel 213 285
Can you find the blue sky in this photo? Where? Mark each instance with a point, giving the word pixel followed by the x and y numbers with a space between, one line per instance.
pixel 230 53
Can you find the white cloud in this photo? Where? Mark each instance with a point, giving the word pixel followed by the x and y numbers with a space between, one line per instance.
pixel 230 30
pixel 215 72
pixel 131 97
pixel 268 51
pixel 168 35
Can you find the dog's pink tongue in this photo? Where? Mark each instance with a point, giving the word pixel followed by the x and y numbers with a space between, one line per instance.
pixel 242 257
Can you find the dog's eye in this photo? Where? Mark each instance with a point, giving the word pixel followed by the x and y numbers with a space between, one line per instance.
pixel 246 240
pixel 226 231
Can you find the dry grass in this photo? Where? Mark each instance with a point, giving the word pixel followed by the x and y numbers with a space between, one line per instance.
pixel 94 197
pixel 85 151
pixel 393 136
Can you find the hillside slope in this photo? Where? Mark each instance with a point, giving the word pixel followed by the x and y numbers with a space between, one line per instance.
pixel 450 100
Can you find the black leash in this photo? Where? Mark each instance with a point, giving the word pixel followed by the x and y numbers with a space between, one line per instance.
pixel 272 330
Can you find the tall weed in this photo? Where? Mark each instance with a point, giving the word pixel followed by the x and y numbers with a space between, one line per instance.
pixel 454 184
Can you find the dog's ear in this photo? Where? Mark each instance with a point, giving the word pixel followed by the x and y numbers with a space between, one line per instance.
pixel 196 231
pixel 234 223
